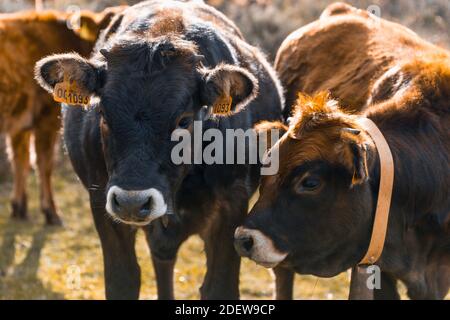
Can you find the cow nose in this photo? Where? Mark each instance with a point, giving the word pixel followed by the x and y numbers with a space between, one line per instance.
pixel 137 206
pixel 243 243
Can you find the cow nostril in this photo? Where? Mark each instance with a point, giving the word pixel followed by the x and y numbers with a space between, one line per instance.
pixel 244 245
pixel 115 202
pixel 145 208
pixel 247 243
pixel 147 205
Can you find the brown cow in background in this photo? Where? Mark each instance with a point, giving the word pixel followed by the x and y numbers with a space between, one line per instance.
pixel 25 109
pixel 316 215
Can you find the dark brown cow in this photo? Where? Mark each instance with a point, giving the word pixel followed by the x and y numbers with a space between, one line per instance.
pixel 25 109
pixel 316 215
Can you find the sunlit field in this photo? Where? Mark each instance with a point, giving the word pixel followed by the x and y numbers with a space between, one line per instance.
pixel 39 262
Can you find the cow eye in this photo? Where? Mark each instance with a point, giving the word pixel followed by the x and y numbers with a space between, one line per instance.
pixel 308 184
pixel 185 121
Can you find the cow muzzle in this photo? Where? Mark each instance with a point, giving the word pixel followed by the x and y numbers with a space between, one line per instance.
pixel 255 245
pixel 135 207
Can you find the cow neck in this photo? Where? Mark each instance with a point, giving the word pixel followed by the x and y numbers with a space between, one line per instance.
pixel 381 218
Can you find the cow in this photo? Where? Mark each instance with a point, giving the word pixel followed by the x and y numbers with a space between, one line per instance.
pixel 26 110
pixel 316 215
pixel 158 67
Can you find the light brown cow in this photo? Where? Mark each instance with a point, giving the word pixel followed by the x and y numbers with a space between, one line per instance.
pixel 25 109
pixel 346 52
pixel 316 215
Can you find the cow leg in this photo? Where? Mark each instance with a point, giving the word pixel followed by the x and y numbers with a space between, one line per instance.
pixel 164 244
pixel 222 261
pixel 45 139
pixel 388 290
pixel 358 285
pixel 20 147
pixel 121 269
pixel 164 277
pixel 284 283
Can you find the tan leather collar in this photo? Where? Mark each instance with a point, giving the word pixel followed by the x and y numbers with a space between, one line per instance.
pixel 380 223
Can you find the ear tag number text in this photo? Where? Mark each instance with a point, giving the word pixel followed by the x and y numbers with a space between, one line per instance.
pixel 69 92
pixel 223 105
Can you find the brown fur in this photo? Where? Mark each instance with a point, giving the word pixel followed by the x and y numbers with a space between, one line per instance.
pixel 402 83
pixel 346 54
pixel 25 108
pixel 171 22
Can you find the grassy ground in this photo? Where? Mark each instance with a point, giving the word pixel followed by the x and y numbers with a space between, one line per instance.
pixel 38 262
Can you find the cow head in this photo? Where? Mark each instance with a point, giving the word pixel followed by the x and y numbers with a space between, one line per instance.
pixel 315 215
pixel 144 90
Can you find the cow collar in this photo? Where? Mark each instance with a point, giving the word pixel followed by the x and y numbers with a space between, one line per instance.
pixel 381 219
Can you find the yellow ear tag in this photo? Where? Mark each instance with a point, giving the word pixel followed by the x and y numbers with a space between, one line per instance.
pixel 222 105
pixel 69 92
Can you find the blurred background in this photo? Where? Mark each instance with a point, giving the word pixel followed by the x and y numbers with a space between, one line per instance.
pixel 267 22
pixel 38 262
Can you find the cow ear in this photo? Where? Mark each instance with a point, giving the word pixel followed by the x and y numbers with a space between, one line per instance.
pixel 389 85
pixel 89 27
pixel 92 23
pixel 56 68
pixel 233 84
pixel 360 170
pixel 356 159
pixel 106 16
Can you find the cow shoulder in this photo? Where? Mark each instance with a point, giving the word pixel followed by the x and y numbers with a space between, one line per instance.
pixel 328 55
